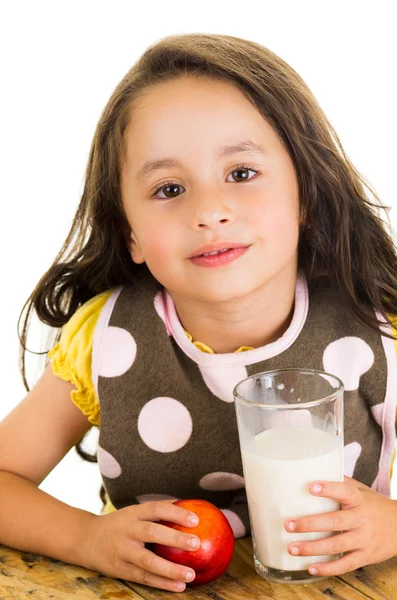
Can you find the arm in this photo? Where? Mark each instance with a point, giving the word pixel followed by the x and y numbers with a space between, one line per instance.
pixel 34 437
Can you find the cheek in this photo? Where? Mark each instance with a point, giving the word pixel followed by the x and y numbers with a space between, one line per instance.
pixel 279 224
pixel 158 242
pixel 156 247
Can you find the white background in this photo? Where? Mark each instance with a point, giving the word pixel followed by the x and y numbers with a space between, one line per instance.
pixel 60 63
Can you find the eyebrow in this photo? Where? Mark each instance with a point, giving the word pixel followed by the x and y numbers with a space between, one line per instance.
pixel 156 164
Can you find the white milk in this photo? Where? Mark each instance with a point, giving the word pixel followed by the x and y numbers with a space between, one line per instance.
pixel 279 464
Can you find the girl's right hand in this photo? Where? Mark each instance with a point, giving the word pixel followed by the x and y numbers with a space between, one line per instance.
pixel 115 544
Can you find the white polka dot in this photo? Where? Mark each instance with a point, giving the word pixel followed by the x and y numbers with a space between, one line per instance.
pixel 154 497
pixel 222 380
pixel 348 358
pixel 377 412
pixel 118 352
pixel 165 424
pixel 351 454
pixel 159 306
pixel 235 522
pixel 108 465
pixel 220 481
pixel 280 386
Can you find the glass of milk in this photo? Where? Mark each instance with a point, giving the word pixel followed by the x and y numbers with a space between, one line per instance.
pixel 290 425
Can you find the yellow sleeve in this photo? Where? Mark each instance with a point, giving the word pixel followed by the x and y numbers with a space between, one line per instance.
pixel 71 356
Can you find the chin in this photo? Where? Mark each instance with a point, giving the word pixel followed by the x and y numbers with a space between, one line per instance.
pixel 223 292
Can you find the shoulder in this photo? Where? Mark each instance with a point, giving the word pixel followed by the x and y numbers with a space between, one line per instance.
pixel 85 317
pixel 71 357
pixel 77 333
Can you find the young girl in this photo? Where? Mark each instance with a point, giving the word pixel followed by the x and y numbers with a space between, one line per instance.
pixel 222 232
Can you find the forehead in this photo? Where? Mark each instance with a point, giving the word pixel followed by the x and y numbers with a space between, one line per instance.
pixel 194 102
pixel 186 116
pixel 196 92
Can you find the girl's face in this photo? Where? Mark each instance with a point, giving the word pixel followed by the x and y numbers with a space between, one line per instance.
pixel 204 196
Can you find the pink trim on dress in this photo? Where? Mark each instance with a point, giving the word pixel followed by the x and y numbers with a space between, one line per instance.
pixel 249 356
pixel 382 481
pixel 99 337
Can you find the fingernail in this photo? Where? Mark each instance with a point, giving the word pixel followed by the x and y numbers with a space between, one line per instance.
pixel 313 571
pixel 316 488
pixel 180 585
pixel 291 526
pixel 194 543
pixel 294 550
pixel 188 576
pixel 193 520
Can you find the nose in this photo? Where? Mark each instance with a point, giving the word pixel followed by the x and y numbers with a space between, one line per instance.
pixel 209 213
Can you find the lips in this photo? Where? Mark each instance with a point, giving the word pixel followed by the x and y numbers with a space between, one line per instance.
pixel 216 247
pixel 218 257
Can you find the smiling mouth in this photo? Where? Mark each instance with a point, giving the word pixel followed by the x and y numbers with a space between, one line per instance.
pixel 215 252
pixel 218 258
pixel 216 248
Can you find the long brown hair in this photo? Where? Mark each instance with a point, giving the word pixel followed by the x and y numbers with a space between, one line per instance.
pixel 342 238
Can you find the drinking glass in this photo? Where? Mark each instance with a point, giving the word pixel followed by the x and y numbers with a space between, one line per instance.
pixel 290 426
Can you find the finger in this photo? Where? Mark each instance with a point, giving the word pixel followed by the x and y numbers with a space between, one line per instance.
pixel 165 510
pixel 131 572
pixel 148 561
pixel 341 520
pixel 358 484
pixel 349 479
pixel 152 532
pixel 344 542
pixel 346 493
pixel 348 562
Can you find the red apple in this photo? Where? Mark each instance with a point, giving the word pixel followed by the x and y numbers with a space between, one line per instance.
pixel 217 542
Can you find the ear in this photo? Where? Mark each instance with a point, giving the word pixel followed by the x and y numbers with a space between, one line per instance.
pixel 133 246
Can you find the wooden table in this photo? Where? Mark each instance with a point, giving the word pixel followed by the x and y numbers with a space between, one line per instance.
pixel 30 577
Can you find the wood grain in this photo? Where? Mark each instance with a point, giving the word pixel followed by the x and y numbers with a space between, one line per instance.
pixel 378 582
pixel 241 582
pixel 33 577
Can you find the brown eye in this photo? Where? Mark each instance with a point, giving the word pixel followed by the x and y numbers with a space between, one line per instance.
pixel 243 173
pixel 173 190
pixel 169 189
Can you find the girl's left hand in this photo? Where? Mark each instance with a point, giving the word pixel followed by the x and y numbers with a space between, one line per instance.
pixel 367 520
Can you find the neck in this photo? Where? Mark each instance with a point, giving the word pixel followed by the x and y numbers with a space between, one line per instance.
pixel 255 320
